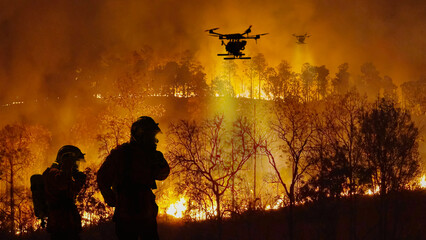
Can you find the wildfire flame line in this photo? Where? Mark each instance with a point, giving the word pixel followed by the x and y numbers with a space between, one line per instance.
pixel 178 208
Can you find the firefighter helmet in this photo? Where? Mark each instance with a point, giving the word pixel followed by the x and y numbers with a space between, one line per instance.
pixel 69 151
pixel 142 126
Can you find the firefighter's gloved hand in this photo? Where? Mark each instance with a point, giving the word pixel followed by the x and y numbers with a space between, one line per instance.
pixel 80 177
pixel 67 165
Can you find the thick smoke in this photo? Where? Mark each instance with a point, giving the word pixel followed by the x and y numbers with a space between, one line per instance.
pixel 45 44
pixel 57 49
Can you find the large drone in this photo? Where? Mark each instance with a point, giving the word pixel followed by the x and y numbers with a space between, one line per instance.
pixel 235 44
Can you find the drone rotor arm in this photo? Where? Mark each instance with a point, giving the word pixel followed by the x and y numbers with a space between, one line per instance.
pixel 257 36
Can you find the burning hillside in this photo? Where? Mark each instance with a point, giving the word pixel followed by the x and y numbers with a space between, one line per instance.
pixel 336 119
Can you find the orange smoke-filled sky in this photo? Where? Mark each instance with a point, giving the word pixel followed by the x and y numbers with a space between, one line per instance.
pixel 42 43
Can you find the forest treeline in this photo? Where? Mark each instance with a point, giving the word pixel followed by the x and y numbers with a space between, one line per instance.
pixel 319 137
pixel 183 76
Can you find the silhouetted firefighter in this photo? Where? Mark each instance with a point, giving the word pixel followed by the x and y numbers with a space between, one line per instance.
pixel 127 177
pixel 63 181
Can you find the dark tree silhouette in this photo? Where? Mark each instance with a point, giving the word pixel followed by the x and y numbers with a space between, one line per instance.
pixel 322 81
pixel 260 66
pixel 341 80
pixel 389 88
pixel 273 86
pixel 250 72
pixel 389 140
pixel 164 78
pixel 307 76
pixel 178 78
pixel 278 82
pixel 414 95
pixel 371 80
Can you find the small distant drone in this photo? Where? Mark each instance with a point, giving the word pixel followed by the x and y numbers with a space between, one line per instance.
pixel 235 44
pixel 301 38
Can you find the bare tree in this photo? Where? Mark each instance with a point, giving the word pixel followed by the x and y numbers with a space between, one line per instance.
pixel 295 128
pixel 342 131
pixel 206 156
pixel 18 146
pixel 338 168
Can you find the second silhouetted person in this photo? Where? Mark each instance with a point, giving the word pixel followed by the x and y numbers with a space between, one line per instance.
pixel 126 178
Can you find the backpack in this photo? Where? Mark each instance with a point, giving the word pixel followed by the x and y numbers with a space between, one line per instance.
pixel 39 198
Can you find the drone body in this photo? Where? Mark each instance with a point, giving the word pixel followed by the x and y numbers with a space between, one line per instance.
pixel 301 38
pixel 235 44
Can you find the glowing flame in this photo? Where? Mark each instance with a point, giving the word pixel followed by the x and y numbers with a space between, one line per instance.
pixel 177 209
pixel 422 181
pixel 372 192
pixel 85 219
pixel 277 205
pixel 88 218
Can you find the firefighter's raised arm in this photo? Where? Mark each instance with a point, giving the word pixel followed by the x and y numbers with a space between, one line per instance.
pixel 160 167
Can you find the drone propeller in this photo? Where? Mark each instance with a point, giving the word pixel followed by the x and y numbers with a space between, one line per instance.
pixel 208 30
pixel 248 30
pixel 211 31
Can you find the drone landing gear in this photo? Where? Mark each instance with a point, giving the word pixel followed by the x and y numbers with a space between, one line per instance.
pixel 231 58
pixel 239 56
